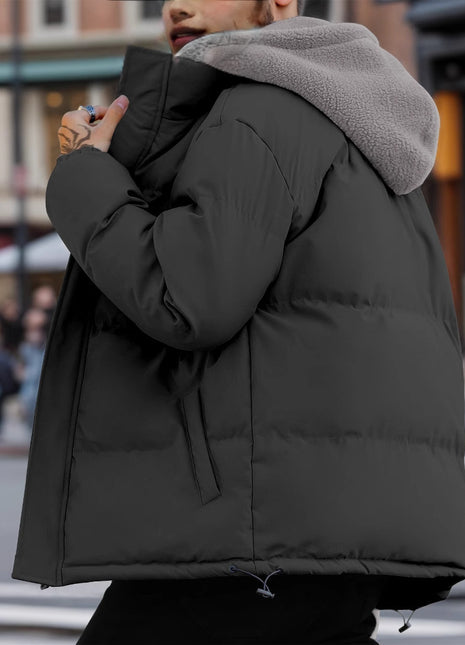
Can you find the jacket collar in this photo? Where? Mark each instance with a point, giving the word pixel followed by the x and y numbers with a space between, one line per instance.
pixel 168 96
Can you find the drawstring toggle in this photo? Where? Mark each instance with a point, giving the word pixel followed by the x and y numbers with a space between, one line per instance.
pixel 406 624
pixel 265 592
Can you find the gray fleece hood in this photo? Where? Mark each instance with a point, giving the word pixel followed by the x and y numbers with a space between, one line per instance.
pixel 343 71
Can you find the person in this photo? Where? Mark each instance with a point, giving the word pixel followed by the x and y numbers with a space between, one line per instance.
pixel 9 383
pixel 29 361
pixel 259 436
pixel 44 297
pixel 10 323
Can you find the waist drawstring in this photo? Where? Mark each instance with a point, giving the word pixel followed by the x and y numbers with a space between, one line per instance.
pixel 265 592
pixel 407 624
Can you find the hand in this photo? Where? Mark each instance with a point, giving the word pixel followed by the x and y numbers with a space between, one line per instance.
pixel 76 131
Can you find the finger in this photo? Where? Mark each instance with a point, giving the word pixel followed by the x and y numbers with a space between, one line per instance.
pixel 100 111
pixel 113 116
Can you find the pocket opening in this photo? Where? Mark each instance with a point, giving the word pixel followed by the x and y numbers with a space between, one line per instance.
pixel 199 449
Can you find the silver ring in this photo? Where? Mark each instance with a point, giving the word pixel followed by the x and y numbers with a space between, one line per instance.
pixel 90 109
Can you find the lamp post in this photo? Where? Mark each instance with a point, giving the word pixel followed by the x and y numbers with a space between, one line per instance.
pixel 19 169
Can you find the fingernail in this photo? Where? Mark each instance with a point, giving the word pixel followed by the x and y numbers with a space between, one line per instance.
pixel 123 101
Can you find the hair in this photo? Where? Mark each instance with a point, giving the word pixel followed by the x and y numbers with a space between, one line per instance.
pixel 301 7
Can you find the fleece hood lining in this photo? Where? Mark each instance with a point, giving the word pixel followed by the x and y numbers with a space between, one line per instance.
pixel 341 69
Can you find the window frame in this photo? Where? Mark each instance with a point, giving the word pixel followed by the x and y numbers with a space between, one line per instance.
pixel 39 30
pixel 134 23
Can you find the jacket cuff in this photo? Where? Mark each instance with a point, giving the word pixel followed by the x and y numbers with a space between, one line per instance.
pixel 83 148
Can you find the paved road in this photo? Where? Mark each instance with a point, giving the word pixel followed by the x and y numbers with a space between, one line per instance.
pixel 56 616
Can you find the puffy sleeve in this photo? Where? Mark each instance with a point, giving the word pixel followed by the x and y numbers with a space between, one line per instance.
pixel 192 275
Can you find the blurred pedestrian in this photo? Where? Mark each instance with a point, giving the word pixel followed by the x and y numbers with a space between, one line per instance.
pixel 44 297
pixel 30 358
pixel 10 323
pixel 9 383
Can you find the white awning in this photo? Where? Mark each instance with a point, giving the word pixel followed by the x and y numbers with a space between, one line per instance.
pixel 48 253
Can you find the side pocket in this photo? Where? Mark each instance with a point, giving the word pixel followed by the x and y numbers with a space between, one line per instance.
pixel 201 459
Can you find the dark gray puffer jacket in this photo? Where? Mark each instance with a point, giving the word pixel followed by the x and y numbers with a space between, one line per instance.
pixel 255 359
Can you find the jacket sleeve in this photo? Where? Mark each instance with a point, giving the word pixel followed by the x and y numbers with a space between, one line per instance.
pixel 192 275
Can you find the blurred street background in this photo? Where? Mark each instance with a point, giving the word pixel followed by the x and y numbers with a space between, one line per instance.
pixel 58 54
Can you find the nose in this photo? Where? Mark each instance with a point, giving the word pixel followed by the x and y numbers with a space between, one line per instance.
pixel 180 10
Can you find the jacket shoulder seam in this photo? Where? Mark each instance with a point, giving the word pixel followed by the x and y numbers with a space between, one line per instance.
pixel 248 125
pixel 272 152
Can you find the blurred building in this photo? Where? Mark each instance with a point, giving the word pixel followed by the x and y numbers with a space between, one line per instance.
pixel 428 37
pixel 72 54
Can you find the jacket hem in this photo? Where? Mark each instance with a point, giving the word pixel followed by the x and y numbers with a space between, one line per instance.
pixel 325 566
pixel 405 585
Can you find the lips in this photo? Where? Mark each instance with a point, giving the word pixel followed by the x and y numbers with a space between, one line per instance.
pixel 179 40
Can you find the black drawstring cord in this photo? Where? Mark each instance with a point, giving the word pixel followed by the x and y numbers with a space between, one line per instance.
pixel 407 624
pixel 265 592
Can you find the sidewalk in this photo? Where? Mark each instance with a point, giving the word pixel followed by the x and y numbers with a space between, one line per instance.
pixel 69 607
pixel 15 435
pixel 31 616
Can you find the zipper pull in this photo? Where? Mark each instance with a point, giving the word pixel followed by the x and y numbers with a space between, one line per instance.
pixel 43 586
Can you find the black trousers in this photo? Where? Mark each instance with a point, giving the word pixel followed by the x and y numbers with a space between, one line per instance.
pixel 334 610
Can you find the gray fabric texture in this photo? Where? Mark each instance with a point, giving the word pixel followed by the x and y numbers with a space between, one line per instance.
pixel 343 71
